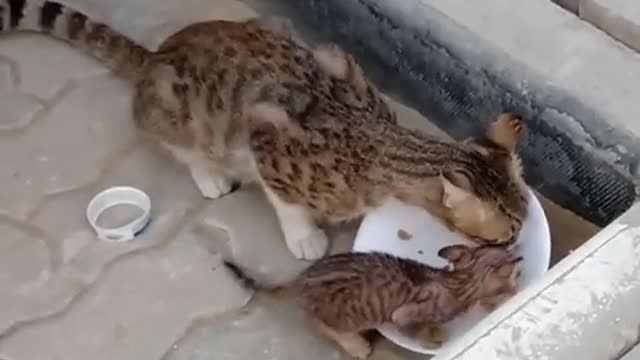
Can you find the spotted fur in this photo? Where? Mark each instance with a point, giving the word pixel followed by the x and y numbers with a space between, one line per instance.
pixel 246 101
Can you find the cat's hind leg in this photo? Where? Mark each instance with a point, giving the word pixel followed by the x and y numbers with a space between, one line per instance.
pixel 352 343
pixel 303 237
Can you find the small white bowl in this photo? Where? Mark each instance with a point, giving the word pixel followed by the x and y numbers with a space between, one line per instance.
pixel 379 232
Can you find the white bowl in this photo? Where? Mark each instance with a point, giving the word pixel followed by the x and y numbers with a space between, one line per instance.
pixel 379 232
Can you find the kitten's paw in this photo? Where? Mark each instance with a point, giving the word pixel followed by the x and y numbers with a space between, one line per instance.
pixel 490 304
pixel 434 337
pixel 213 187
pixel 311 247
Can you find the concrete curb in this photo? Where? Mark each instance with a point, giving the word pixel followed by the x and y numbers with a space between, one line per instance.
pixel 619 19
pixel 582 309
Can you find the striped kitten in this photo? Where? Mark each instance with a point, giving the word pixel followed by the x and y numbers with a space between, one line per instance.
pixel 212 92
pixel 346 294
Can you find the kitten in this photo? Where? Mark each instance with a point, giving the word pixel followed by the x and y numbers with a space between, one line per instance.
pixel 346 294
pixel 214 92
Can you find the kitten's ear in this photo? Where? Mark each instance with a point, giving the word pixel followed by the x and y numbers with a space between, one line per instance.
pixel 456 188
pixel 455 254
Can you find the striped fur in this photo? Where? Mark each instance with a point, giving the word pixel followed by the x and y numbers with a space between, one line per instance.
pixel 353 292
pixel 116 51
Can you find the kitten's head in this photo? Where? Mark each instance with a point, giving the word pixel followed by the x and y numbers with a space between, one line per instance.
pixel 496 267
pixel 486 197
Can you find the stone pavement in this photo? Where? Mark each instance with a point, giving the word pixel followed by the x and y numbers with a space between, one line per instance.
pixel 65 134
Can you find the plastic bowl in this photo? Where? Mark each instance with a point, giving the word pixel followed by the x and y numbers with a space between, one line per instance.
pixel 379 232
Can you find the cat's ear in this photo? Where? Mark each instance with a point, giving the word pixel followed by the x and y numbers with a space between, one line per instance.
pixel 340 65
pixel 506 130
pixel 457 255
pixel 332 60
pixel 456 189
pixel 280 25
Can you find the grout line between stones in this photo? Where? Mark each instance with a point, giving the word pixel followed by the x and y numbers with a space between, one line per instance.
pixel 109 163
pixel 35 232
pixel 19 125
pixel 198 323
pixel 49 103
pixel 46 106
pixel 78 296
pixel 14 71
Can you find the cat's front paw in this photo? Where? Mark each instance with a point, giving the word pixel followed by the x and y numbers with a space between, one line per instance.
pixel 310 247
pixel 213 187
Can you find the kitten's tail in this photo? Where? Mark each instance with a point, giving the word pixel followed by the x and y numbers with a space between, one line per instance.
pixel 118 52
pixel 252 284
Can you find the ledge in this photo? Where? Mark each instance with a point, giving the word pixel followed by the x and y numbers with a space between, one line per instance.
pixel 618 18
pixel 563 316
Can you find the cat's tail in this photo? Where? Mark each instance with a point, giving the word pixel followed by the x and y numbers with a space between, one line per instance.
pixel 118 52
pixel 252 284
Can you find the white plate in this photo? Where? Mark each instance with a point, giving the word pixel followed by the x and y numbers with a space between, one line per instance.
pixel 379 232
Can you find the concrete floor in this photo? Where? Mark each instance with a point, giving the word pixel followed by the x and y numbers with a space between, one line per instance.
pixel 65 134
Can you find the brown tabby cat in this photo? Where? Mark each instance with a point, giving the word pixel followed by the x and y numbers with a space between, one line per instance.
pixel 346 294
pixel 213 92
